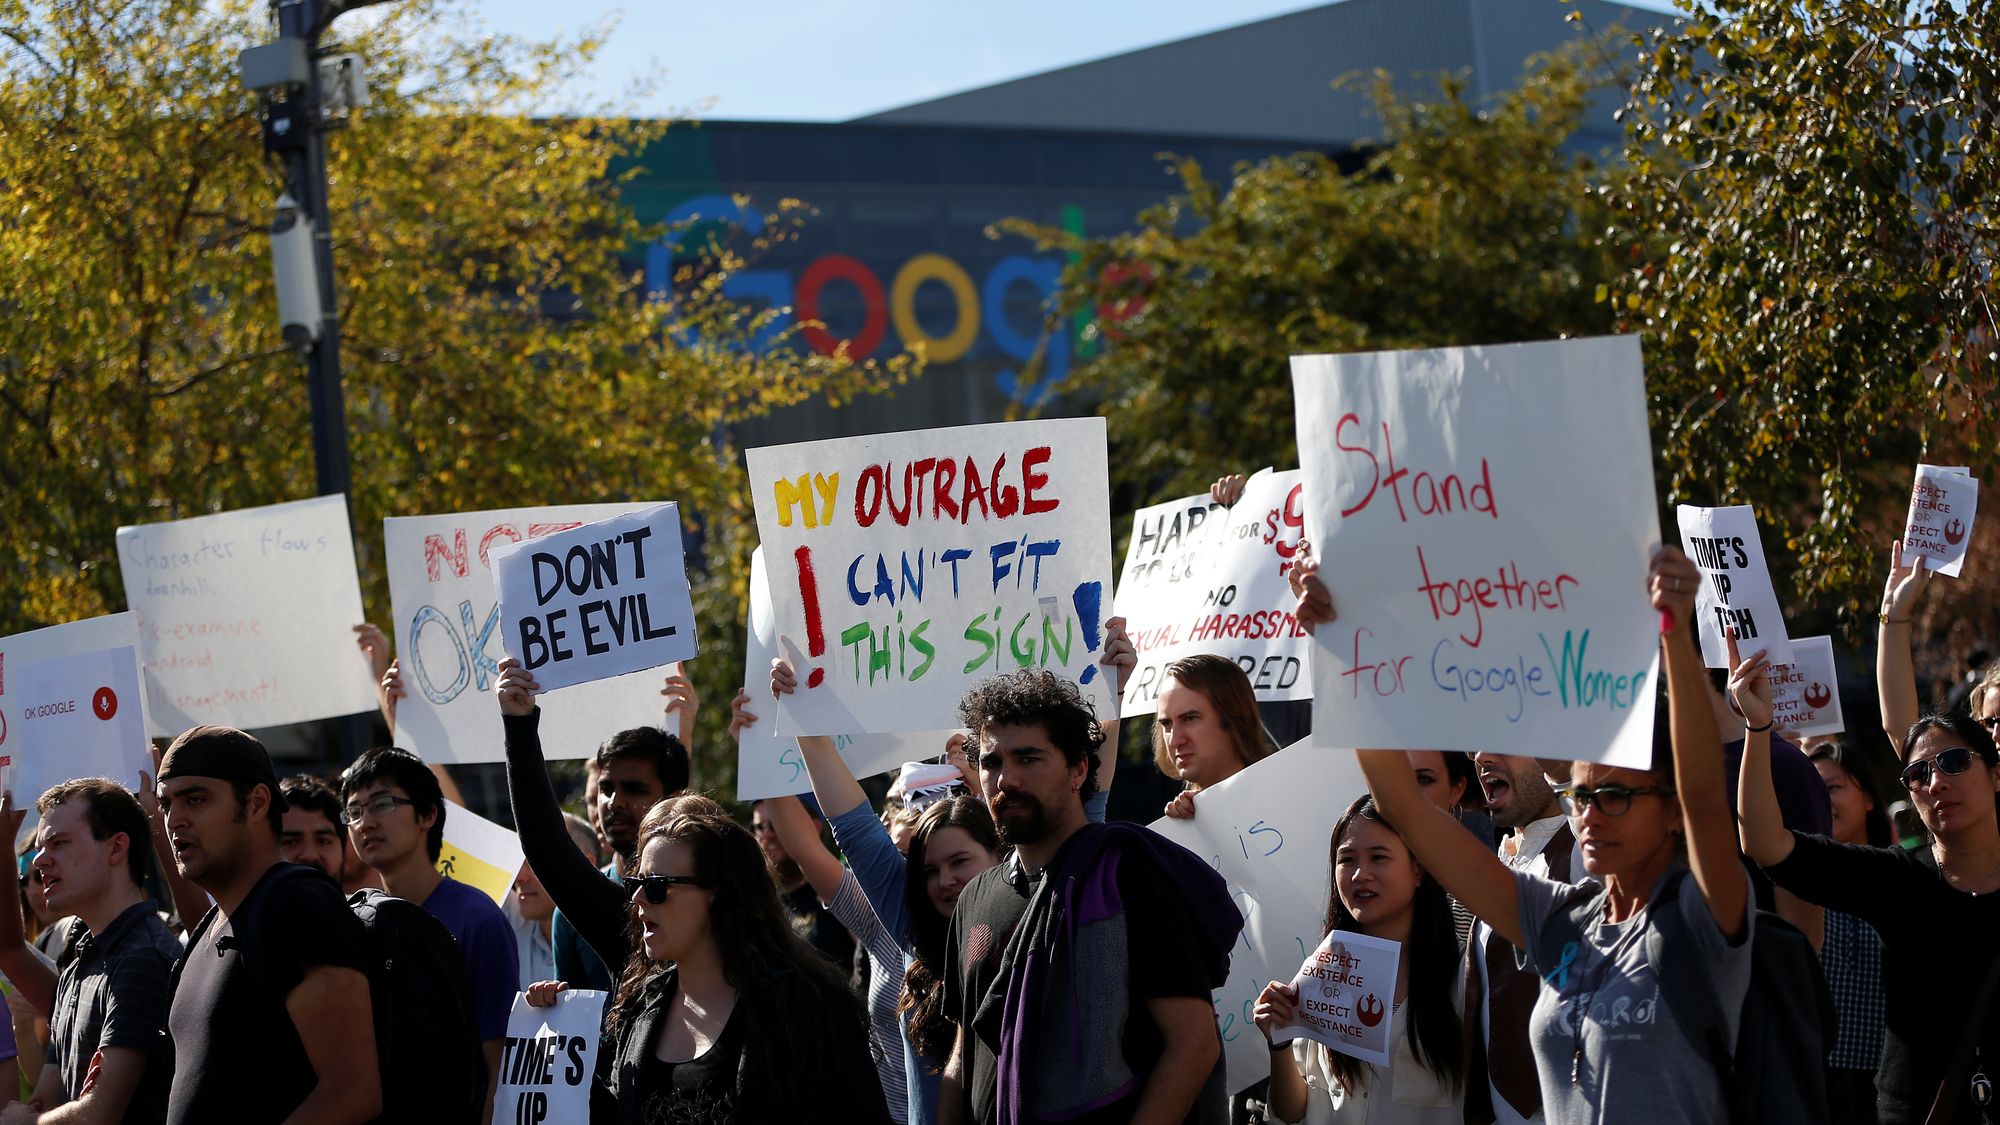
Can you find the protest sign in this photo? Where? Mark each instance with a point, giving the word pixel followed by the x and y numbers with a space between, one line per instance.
pixel 597 601
pixel 1485 517
pixel 1736 590
pixel 447 624
pixel 1267 831
pixel 246 618
pixel 1347 988
pixel 1200 577
pixel 905 568
pixel 74 716
pixel 1805 694
pixel 479 853
pixel 547 1060
pixel 1942 504
pixel 769 764
pixel 22 649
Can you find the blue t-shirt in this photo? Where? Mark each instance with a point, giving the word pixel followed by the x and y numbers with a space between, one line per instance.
pixel 492 959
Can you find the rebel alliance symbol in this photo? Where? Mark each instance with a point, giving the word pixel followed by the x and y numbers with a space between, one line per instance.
pixel 105 703
pixel 1954 533
pixel 1369 1011
pixel 1818 695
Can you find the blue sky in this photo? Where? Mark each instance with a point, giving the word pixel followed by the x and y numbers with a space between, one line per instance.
pixel 822 61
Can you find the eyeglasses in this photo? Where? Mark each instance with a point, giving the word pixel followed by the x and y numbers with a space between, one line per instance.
pixel 1990 722
pixel 1950 762
pixel 657 886
pixel 1611 800
pixel 380 806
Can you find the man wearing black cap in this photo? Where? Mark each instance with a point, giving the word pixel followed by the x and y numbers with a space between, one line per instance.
pixel 271 1014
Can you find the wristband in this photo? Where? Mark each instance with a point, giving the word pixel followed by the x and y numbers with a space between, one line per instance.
pixel 1276 1047
pixel 1759 730
pixel 1885 619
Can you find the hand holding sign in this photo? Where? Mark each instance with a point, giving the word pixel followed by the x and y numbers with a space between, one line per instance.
pixel 1344 994
pixel 1906 584
pixel 1736 592
pixel 1750 685
pixel 1942 504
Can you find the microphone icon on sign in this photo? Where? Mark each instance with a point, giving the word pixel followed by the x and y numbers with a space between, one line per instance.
pixel 104 704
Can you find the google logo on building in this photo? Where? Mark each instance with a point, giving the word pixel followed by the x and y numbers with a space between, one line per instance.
pixel 979 307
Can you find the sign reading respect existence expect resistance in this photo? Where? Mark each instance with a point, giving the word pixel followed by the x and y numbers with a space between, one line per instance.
pixel 1485 517
pixel 904 568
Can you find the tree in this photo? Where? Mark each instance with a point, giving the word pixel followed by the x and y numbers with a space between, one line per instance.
pixel 1463 225
pixel 498 350
pixel 1812 183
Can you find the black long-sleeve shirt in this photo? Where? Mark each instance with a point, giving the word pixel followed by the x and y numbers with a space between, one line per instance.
pixel 594 904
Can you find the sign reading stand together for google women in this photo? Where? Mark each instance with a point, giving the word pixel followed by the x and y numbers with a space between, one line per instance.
pixel 1486 517
pixel 1942 504
pixel 1736 590
pixel 247 618
pixel 447 637
pixel 597 601
pixel 905 568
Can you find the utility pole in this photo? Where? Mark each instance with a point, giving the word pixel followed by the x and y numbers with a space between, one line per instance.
pixel 301 87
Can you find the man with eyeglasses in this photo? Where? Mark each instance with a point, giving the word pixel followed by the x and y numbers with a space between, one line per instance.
pixel 395 813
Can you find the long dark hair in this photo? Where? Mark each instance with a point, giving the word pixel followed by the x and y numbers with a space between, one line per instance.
pixel 1226 686
pixel 747 924
pixel 1432 956
pixel 930 1031
pixel 1862 775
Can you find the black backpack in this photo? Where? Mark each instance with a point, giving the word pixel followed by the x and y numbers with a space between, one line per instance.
pixel 1776 1069
pixel 426 1039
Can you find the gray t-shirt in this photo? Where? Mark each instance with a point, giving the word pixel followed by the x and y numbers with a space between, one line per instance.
pixel 1635 1061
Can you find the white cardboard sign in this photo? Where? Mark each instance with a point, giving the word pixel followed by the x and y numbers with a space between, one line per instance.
pixel 75 716
pixel 1347 990
pixel 1943 502
pixel 1736 591
pixel 479 853
pixel 1267 830
pixel 246 618
pixel 905 568
pixel 22 649
pixel 1805 694
pixel 1200 577
pixel 547 1060
pixel 597 601
pixel 1485 517
pixel 768 764
pixel 447 636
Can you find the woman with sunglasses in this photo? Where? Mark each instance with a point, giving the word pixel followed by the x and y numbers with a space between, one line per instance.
pixel 1938 915
pixel 724 1014
pixel 1607 1044
pixel 1895 666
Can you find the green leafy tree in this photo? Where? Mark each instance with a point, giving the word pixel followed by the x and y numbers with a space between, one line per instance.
pixel 1464 224
pixel 1813 184
pixel 497 350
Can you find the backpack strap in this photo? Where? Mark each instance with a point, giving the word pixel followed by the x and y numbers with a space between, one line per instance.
pixel 1561 937
pixel 1683 985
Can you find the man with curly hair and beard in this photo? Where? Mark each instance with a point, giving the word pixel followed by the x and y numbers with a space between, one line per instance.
pixel 1079 970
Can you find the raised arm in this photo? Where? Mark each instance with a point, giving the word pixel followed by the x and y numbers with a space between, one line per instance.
pixel 795 831
pixel 1760 825
pixel 1120 656
pixel 833 783
pixel 683 702
pixel 1704 795
pixel 592 903
pixel 34 979
pixel 1895 672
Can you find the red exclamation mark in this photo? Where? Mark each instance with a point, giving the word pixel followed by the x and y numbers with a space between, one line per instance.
pixel 815 632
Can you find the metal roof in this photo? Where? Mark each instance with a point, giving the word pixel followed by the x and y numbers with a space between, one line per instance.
pixel 1274 78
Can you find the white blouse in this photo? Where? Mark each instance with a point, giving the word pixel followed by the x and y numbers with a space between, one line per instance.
pixel 1406 1094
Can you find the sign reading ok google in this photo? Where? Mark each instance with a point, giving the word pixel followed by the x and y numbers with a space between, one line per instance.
pixel 979 319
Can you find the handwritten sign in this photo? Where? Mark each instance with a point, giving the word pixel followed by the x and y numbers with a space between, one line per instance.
pixel 447 618
pixel 905 568
pixel 769 764
pixel 1942 504
pixel 1805 694
pixel 1485 517
pixel 1736 588
pixel 547 1060
pixel 1347 989
pixel 75 716
pixel 597 601
pixel 1200 577
pixel 479 853
pixel 1268 830
pixel 246 618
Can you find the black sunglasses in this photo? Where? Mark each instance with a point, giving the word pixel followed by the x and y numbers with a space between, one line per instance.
pixel 656 886
pixel 1950 762
pixel 1612 800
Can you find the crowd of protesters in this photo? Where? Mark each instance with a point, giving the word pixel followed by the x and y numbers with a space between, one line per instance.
pixel 1732 935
